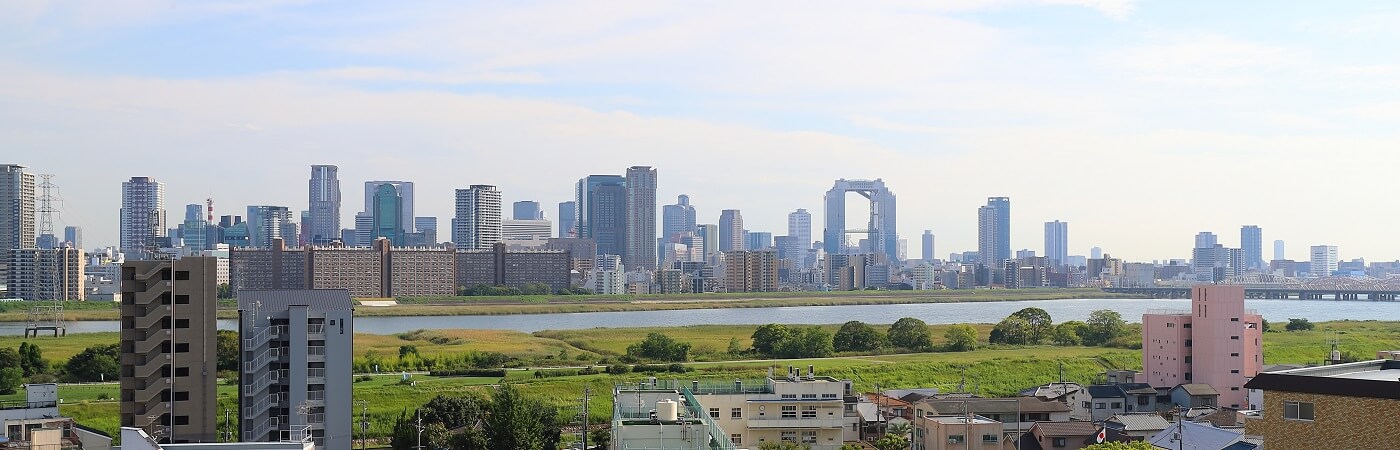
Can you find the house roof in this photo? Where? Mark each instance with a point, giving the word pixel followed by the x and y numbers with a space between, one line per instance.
pixel 1366 379
pixel 1052 390
pixel 1223 417
pixel 911 395
pixel 1066 429
pixel 1138 388
pixel 273 300
pixel 1195 435
pixel 1140 422
pixel 1198 389
pixel 996 406
pixel 1105 391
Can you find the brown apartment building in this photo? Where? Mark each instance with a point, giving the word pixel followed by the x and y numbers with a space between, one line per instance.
pixel 1339 406
pixel 168 356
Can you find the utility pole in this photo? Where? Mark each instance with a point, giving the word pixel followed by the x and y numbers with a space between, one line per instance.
pixel 228 427
pixel 419 422
pixel 587 392
pixel 364 423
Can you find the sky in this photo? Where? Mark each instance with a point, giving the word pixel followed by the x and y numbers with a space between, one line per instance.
pixel 1139 123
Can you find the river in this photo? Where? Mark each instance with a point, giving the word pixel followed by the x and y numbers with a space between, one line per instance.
pixel 933 313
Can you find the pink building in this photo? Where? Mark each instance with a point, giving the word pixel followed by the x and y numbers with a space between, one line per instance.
pixel 1216 342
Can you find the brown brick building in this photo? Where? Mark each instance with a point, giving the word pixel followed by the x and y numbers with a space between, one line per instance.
pixel 1341 406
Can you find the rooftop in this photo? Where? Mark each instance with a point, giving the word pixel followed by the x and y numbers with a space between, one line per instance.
pixel 960 420
pixel 1198 389
pixel 1061 429
pixel 1370 379
pixel 996 405
pixel 1140 422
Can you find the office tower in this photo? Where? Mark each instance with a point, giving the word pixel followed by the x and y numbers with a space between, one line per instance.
pixel 928 245
pixel 477 224
pixel 640 236
pixel 678 220
pixel 46 274
pixel 601 214
pixel 296 355
pixel 1324 260
pixel 731 230
pixel 1205 239
pixel 751 271
pixel 525 229
pixel 1057 241
pixel 1095 253
pixel 323 224
pixel 1279 254
pixel 568 220
pixel 266 223
pixel 405 191
pixel 526 210
pixel 1252 243
pixel 73 235
pixel 881 235
pixel 709 238
pixel 1217 263
pixel 168 348
pixel 427 226
pixel 994 231
pixel 758 240
pixel 1216 342
pixel 800 228
pixel 142 216
pixel 364 230
pixel 387 214
pixel 193 231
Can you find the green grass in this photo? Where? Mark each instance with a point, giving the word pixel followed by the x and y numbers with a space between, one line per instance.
pixel 59 349
pixel 1362 338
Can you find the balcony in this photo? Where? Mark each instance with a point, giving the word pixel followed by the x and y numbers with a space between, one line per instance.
pixel 315 376
pixel 830 422
pixel 316 353
pixel 316 331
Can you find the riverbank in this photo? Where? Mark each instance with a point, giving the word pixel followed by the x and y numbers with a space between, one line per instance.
pixel 555 304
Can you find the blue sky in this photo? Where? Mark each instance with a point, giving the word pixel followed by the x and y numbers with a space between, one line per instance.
pixel 1140 123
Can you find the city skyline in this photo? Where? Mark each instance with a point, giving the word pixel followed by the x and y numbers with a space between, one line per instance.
pixel 1114 88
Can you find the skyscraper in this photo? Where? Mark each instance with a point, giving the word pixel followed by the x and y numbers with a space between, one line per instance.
pixel 526 210
pixel 387 213
pixel 1279 254
pixel 17 219
pixel 601 202
pixel 73 235
pixel 640 252
pixel 323 224
pixel 568 219
pixel 1324 260
pixel 193 231
pixel 758 240
pixel 142 216
pixel 800 228
pixel 928 245
pixel 731 230
pixel 405 190
pixel 1057 241
pixel 1205 239
pixel 477 224
pixel 677 220
pixel 428 227
pixel 881 234
pixel 709 238
pixel 266 223
pixel 1252 244
pixel 994 231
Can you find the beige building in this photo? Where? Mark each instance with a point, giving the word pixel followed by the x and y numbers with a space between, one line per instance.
pixel 751 271
pixel 957 433
pixel 1339 406
pixel 168 348
pixel 46 274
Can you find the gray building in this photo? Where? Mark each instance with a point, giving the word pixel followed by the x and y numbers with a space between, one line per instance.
pixel 526 210
pixel 758 240
pixel 601 214
pixel 1057 242
pixel 498 267
pixel 1205 239
pixel 17 199
pixel 477 224
pixel 266 223
pixel 567 219
pixel 709 238
pixel 678 220
pixel 73 235
pixel 405 191
pixel 881 234
pixel 323 224
pixel 731 231
pixel 640 252
pixel 1252 244
pixel 142 216
pixel 193 232
pixel 994 231
pixel 296 349
pixel 928 246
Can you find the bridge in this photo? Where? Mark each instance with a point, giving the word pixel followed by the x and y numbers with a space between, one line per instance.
pixel 1264 286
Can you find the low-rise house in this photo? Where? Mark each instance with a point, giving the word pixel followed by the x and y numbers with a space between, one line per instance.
pixel 1016 414
pixel 1101 401
pixel 1195 395
pixel 1137 426
pixel 36 424
pixel 959 432
pixel 1200 436
pixel 1061 436
pixel 1346 405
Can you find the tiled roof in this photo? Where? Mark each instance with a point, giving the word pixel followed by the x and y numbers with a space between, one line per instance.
pixel 1140 422
pixel 1198 389
pixel 1105 391
pixel 1195 435
pixel 1063 429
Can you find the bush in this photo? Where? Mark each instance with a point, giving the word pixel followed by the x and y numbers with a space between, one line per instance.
pixel 363 378
pixel 618 369
pixel 857 336
pixel 1299 325
pixel 961 337
pixel 912 334
pixel 491 373
pixel 659 347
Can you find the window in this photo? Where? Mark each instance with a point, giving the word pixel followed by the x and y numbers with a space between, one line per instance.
pixel 182 371
pixel 1171 325
pixel 1186 325
pixel 829 396
pixel 1235 388
pixel 1057 442
pixel 1234 370
pixel 182 396
pixel 736 413
pixel 714 413
pixel 1234 319
pixel 1235 338
pixel 182 348
pixel 809 437
pixel 182 323
pixel 1235 355
pixel 1188 376
pixel 956 439
pixel 809 396
pixel 1188 360
pixel 789 396
pixel 1298 410
pixel 182 299
pixel 1188 342
pixel 1098 405
pixel 736 439
pixel 1144 400
pixel 182 420
pixel 789 436
pixel 1117 405
pixel 990 439
pixel 789 411
pixel 809 412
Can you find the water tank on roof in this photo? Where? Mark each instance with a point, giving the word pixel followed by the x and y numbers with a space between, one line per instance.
pixel 667 410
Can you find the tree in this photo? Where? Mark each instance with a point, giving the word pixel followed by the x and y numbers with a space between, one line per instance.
pixel 405 350
pixel 768 336
pixel 1264 326
pixel 851 447
pixel 901 429
pixel 224 291
pixel 810 342
pixel 31 359
pixel 600 437
pixel 227 349
pixel 1102 327
pixel 1012 331
pixel 521 423
pixel 96 363
pixel 452 412
pixel 735 349
pixel 661 347
pixel 857 336
pixel 892 442
pixel 1134 445
pixel 1299 325
pixel 961 337
pixel 10 379
pixel 1039 323
pixel 405 433
pixel 9 357
pixel 912 334
pixel 1069 333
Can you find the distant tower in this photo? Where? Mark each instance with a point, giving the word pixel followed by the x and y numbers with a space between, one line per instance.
pixel 994 231
pixel 567 219
pixel 73 235
pixel 388 215
pixel 405 190
pixel 1279 254
pixel 731 230
pixel 324 204
pixel 1205 239
pixel 880 232
pixel 928 246
pixel 142 216
pixel 18 215
pixel 601 202
pixel 1057 241
pixel 1324 260
pixel 526 210
pixel 800 228
pixel 477 224
pixel 678 220
pixel 640 251
pixel 1252 244
pixel 1096 253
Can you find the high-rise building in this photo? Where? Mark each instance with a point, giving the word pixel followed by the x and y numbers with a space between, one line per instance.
pixel 323 224
pixel 731 230
pixel 1057 241
pixel 525 229
pixel 387 213
pixel 1279 254
pixel 18 217
pixel 1324 260
pixel 601 212
pixel 751 271
pixel 1205 239
pixel 1216 342
pixel 477 224
pixel 758 240
pixel 994 231
pixel 364 230
pixel 266 223
pixel 800 228
pixel 709 238
pixel 678 220
pixel 881 235
pixel 928 245
pixel 526 210
pixel 193 231
pixel 46 274
pixel 405 191
pixel 640 252
pixel 1252 244
pixel 142 216
pixel 73 235
pixel 568 219
pixel 168 348
pixel 296 351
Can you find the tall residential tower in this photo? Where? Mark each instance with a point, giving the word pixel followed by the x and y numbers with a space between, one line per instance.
pixel 477 225
pixel 323 204
pixel 994 231
pixel 142 216
pixel 640 252
pixel 1057 241
pixel 731 230
pixel 601 211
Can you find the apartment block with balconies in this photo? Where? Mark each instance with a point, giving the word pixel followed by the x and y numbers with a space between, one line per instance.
pixel 295 351
pixel 168 363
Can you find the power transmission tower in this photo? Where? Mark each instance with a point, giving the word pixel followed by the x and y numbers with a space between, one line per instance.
pixel 47 266
pixel 587 392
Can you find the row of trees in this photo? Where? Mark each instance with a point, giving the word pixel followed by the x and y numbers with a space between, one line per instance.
pixel 1033 326
pixel 507 419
